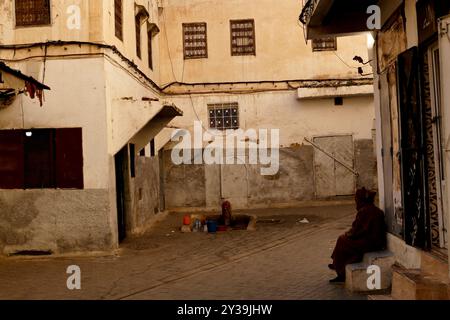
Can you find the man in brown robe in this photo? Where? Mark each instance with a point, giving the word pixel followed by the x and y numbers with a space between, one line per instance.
pixel 368 233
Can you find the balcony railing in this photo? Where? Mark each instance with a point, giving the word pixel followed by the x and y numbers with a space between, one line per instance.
pixel 308 10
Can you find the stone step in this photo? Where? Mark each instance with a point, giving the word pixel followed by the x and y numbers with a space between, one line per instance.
pixel 357 274
pixel 379 258
pixel 413 284
pixel 380 297
pixel 434 265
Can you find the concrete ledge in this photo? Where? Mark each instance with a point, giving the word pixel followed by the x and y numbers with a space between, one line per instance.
pixel 332 92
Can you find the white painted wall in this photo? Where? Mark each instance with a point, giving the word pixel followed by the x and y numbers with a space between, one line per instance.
pixel 126 112
pixel 295 118
pixel 76 99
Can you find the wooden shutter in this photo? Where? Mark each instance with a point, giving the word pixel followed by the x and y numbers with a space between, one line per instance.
pixel 39 159
pixel 69 158
pixel 150 49
pixel 118 18
pixel 11 159
pixel 138 35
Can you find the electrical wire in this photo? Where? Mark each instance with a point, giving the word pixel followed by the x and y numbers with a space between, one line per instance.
pixel 167 44
pixel 343 61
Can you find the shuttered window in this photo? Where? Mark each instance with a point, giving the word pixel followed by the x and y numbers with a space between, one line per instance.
pixel 118 18
pixel 138 35
pixel 41 158
pixel 32 12
pixel 150 48
pixel 243 37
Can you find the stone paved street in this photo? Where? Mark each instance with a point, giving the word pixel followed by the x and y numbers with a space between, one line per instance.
pixel 282 260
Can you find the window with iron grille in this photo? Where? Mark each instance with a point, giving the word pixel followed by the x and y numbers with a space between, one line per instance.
pixel 118 18
pixel 223 116
pixel 324 44
pixel 243 37
pixel 195 40
pixel 32 12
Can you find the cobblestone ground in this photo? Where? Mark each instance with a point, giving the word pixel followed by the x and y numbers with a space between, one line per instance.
pixel 282 260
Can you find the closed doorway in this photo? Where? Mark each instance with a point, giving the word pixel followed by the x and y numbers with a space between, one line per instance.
pixel 331 177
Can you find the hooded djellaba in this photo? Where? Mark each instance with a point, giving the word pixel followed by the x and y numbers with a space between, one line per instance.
pixel 368 233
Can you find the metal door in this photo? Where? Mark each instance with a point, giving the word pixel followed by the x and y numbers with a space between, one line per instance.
pixel 331 178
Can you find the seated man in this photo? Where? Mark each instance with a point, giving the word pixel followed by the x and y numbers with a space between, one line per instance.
pixel 368 233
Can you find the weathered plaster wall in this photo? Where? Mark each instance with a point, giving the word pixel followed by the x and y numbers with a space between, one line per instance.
pixel 184 185
pixel 281 51
pixel 56 220
pixel 293 182
pixel 296 119
pixel 245 187
pixel 145 190
pixel 366 164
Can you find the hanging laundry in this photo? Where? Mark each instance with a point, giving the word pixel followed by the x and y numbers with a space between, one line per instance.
pixel 34 91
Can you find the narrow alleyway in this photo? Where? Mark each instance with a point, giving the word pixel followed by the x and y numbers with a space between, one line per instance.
pixel 282 260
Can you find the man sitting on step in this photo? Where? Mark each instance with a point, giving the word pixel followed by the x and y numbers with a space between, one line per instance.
pixel 368 233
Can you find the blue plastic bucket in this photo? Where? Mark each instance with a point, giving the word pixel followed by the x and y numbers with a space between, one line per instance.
pixel 212 226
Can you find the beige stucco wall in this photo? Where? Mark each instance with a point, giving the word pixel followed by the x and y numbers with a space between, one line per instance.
pixel 91 17
pixel 281 51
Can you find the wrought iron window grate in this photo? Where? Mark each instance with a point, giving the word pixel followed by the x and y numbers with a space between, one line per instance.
pixel 195 40
pixel 243 37
pixel 32 12
pixel 224 116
